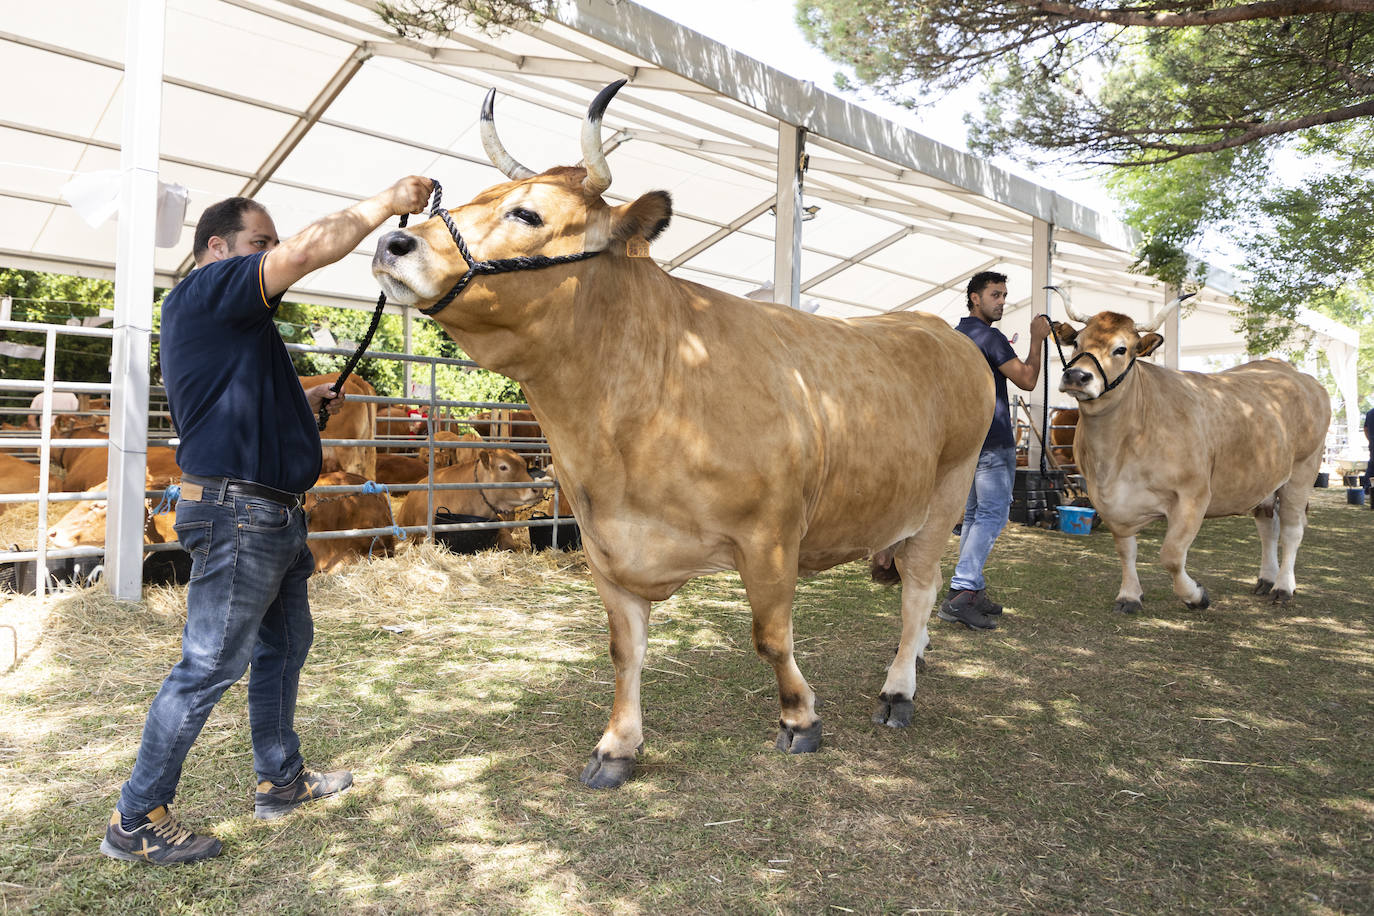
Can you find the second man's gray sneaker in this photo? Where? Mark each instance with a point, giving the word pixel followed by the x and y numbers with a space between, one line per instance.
pixel 963 608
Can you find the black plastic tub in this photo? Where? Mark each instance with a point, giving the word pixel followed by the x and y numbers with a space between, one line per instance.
pixel 541 537
pixel 471 541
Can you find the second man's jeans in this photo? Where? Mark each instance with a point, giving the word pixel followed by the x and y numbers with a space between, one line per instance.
pixel 985 515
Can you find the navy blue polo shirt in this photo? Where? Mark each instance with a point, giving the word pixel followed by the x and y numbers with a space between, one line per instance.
pixel 235 398
pixel 996 350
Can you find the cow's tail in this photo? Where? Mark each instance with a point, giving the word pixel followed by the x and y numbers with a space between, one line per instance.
pixel 882 568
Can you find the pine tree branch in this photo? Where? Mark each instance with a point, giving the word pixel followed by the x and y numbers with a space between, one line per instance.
pixel 1271 9
pixel 1258 132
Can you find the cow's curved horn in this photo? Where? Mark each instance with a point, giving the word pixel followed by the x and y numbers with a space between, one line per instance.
pixel 1068 309
pixel 598 170
pixel 1162 316
pixel 496 152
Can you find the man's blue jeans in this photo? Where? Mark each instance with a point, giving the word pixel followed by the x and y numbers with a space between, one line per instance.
pixel 985 515
pixel 246 602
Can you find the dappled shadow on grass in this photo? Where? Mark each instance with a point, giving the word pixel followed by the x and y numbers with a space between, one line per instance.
pixel 1071 761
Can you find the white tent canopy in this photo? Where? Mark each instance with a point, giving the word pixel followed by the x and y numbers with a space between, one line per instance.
pixel 308 105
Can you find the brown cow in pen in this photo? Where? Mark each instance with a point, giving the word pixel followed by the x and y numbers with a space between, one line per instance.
pixel 352 420
pixel 859 435
pixel 1185 446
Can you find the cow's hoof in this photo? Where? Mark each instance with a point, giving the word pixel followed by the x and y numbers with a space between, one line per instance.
pixel 894 712
pixel 1201 604
pixel 1263 587
pixel 603 772
pixel 1281 596
pixel 1123 606
pixel 799 740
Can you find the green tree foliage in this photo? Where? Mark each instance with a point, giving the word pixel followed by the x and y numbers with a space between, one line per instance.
pixel 297 322
pixel 1203 107
pixel 45 298
pixel 423 18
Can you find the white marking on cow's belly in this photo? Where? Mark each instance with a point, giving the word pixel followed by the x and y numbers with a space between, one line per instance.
pixel 1127 502
pixel 651 560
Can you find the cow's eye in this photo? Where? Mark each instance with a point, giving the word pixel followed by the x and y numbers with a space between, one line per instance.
pixel 1119 351
pixel 528 217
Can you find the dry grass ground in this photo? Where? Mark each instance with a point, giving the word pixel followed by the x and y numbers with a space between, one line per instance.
pixel 1073 761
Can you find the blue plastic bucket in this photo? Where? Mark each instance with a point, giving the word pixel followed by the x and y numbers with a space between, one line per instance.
pixel 1354 496
pixel 1076 519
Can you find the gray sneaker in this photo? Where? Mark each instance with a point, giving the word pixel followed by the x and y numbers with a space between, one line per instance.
pixel 985 604
pixel 963 608
pixel 272 801
pixel 159 840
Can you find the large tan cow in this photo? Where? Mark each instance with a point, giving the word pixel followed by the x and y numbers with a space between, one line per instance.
pixel 1185 446
pixel 488 465
pixel 859 434
pixel 354 420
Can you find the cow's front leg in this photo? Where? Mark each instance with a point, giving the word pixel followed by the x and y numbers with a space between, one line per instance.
pixel 1184 523
pixel 613 760
pixel 770 580
pixel 1128 596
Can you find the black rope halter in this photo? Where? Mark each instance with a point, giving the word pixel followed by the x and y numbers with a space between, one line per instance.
pixel 1103 372
pixel 475 268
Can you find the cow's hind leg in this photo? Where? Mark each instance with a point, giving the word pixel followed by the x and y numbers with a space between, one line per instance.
pixel 1267 523
pixel 918 560
pixel 613 760
pixel 770 580
pixel 1184 523
pixel 1128 596
pixel 1293 499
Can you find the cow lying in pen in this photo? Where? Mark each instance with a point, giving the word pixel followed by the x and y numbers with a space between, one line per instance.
pixel 1185 446
pixel 861 434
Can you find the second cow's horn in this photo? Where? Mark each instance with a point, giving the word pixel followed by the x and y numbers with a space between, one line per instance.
pixel 1162 316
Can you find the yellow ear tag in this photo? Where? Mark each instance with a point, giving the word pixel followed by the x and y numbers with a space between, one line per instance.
pixel 637 247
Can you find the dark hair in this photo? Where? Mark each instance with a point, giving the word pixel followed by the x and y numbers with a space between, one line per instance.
pixel 976 283
pixel 223 219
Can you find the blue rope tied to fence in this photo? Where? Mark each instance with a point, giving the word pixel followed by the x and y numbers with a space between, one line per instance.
pixel 371 486
pixel 169 500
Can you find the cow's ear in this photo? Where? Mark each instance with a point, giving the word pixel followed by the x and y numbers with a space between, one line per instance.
pixel 484 456
pixel 1066 332
pixel 1148 344
pixel 646 217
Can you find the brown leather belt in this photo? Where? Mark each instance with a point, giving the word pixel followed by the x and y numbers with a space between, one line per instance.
pixel 198 488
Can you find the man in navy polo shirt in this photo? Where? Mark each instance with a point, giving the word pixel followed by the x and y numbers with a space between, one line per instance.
pixel 249 450
pixel 989 500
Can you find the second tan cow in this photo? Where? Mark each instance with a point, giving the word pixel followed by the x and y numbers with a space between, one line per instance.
pixel 1155 443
